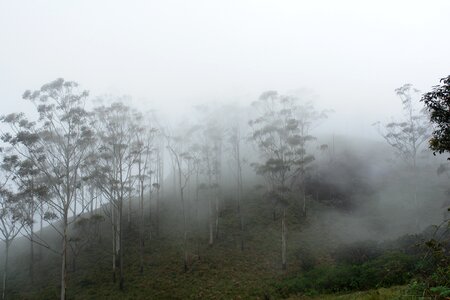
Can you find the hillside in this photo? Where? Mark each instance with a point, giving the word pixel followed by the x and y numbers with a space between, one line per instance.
pixel 221 271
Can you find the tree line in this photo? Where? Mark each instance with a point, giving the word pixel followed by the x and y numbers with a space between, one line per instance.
pixel 78 166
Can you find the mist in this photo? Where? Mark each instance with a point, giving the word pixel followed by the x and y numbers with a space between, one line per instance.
pixel 223 149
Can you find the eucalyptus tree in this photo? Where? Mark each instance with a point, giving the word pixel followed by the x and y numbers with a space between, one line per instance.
pixel 145 148
pixel 211 133
pixel 407 136
pixel 112 166
pixel 57 144
pixel 12 220
pixel 158 185
pixel 235 140
pixel 307 119
pixel 279 136
pixel 182 155
pixel 32 189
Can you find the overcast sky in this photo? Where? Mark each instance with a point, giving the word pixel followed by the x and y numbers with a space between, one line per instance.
pixel 168 54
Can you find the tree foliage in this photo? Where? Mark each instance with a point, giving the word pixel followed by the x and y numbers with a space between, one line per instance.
pixel 406 136
pixel 438 104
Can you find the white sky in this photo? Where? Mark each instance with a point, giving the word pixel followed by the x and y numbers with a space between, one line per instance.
pixel 171 54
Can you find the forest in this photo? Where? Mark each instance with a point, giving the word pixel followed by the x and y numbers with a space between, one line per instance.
pixel 101 200
pixel 239 149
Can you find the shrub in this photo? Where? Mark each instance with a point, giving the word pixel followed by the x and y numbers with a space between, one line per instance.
pixel 391 268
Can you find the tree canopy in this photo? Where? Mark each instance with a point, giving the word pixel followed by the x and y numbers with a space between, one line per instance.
pixel 438 104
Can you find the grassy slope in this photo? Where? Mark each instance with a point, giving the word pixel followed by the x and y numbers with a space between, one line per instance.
pixel 397 292
pixel 222 271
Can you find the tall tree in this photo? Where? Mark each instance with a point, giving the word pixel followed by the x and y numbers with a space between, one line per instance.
pixel 112 164
pixel 31 188
pixel 144 148
pixel 56 144
pixel 11 223
pixel 235 140
pixel 182 158
pixel 211 133
pixel 407 136
pixel 280 138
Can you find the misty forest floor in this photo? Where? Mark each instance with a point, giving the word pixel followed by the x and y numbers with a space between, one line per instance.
pixel 220 271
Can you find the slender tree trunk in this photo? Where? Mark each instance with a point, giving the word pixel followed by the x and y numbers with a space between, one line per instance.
pixel 41 224
pixel 239 193
pixel 241 227
pixel 129 202
pixel 91 192
pixel 158 187
pixel 5 268
pixel 121 275
pixel 74 263
pixel 217 213
pixel 82 197
pixel 150 206
pixel 141 230
pixel 157 210
pixel 114 239
pixel 184 225
pixel 283 239
pixel 31 253
pixel 64 257
pixel 197 220
pixel 75 204
pixel 211 215
pixel 32 238
pixel 304 200
pixel 211 229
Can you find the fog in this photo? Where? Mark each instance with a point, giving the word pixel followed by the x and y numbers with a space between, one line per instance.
pixel 172 54
pixel 196 158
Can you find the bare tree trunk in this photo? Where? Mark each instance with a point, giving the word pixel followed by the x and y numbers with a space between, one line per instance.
pixel 91 192
pixel 211 216
pixel 121 275
pixel 82 197
pixel 211 230
pixel 64 257
pixel 114 239
pixel 129 202
pixel 150 206
pixel 304 201
pixel 283 239
pixel 31 253
pixel 157 211
pixel 161 172
pixel 184 225
pixel 41 224
pixel 158 187
pixel 141 229
pixel 217 213
pixel 75 204
pixel 197 221
pixel 32 237
pixel 5 268
pixel 239 193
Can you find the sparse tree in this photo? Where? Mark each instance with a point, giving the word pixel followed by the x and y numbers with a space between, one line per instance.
pixel 408 135
pixel 112 166
pixel 180 151
pixel 56 144
pixel 31 188
pixel 280 137
pixel 11 223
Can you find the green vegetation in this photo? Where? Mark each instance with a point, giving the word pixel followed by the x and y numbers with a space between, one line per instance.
pixel 223 271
